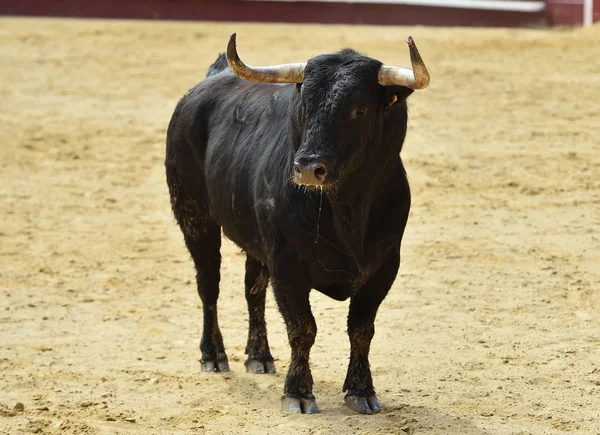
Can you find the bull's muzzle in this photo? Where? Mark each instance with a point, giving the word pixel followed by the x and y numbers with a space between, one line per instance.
pixel 313 173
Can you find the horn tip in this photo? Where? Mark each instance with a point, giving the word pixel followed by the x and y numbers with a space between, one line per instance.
pixel 231 46
pixel 231 53
pixel 410 42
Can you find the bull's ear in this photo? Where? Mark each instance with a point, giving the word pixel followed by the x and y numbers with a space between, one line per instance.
pixel 395 94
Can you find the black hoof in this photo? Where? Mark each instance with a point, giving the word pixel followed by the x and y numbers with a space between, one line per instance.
pixel 304 405
pixel 214 366
pixel 363 405
pixel 260 367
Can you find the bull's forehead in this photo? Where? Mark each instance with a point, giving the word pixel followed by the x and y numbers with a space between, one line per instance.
pixel 341 74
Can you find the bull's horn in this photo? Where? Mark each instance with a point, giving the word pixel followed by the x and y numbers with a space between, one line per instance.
pixel 418 78
pixel 289 73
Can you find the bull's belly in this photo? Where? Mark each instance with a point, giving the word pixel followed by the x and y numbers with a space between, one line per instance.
pixel 337 292
pixel 252 249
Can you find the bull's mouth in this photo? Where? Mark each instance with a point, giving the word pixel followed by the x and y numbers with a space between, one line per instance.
pixel 310 186
pixel 328 187
pixel 310 182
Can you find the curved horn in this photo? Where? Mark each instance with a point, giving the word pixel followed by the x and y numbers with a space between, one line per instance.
pixel 418 78
pixel 288 73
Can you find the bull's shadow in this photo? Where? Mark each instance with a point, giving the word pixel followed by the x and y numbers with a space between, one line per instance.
pixel 263 392
pixel 397 417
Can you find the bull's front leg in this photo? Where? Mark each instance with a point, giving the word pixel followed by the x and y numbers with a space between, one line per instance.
pixel 360 395
pixel 294 305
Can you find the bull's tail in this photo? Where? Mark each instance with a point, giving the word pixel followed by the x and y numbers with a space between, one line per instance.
pixel 219 65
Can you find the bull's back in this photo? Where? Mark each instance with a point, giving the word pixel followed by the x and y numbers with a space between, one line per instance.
pixel 224 139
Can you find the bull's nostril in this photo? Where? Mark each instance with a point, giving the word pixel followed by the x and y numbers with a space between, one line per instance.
pixel 297 170
pixel 320 172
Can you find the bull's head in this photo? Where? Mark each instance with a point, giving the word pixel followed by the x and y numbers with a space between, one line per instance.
pixel 344 100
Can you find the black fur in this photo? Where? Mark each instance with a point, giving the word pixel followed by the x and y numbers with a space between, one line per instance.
pixel 231 146
pixel 219 65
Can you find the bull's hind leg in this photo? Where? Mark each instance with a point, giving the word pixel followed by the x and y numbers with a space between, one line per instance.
pixel 363 308
pixel 207 259
pixel 259 355
pixel 203 239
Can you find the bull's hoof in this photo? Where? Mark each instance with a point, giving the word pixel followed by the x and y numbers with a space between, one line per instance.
pixel 303 405
pixel 363 405
pixel 259 367
pixel 212 366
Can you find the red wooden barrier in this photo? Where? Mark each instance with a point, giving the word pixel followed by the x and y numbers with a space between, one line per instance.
pixel 569 12
pixel 385 12
pixel 558 12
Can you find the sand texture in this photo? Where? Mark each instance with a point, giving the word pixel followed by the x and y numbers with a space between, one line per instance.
pixel 492 326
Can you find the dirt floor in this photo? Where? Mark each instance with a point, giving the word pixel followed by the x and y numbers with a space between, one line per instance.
pixel 492 326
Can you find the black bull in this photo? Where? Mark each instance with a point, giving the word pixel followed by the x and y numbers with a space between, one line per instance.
pixel 307 179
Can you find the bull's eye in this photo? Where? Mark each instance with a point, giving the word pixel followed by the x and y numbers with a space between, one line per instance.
pixel 358 112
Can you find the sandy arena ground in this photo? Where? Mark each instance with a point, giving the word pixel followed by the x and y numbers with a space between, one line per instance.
pixel 492 327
